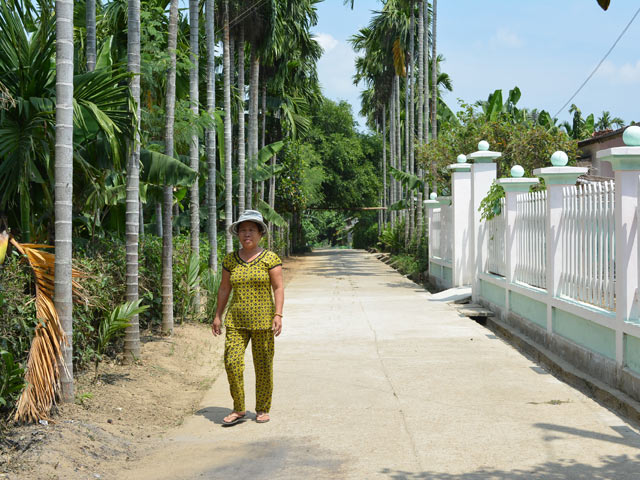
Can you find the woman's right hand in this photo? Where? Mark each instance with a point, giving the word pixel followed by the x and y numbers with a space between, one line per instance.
pixel 216 326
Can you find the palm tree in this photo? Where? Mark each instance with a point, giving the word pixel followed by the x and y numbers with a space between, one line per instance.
pixel 211 137
pixel 64 187
pixel 167 193
pixel 227 130
pixel 132 333
pixel 194 147
pixel 242 181
pixel 90 7
pixel 606 122
pixel 434 73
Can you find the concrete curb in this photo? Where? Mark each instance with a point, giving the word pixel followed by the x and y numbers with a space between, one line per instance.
pixel 599 391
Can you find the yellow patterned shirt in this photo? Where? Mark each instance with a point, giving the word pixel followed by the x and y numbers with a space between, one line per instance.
pixel 252 304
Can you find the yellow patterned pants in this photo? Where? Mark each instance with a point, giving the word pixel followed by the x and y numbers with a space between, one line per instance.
pixel 262 348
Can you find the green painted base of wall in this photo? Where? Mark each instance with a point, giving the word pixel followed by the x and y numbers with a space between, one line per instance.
pixel 528 308
pixel 632 353
pixel 590 335
pixel 492 293
pixel 435 269
pixel 447 275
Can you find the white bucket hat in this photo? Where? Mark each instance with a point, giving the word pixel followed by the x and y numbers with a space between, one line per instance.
pixel 249 216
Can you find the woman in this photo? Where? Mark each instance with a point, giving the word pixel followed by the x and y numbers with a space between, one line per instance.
pixel 251 273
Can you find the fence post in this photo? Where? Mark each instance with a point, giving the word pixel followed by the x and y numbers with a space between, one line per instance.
pixel 626 166
pixel 555 178
pixel 483 173
pixel 512 187
pixel 461 204
pixel 431 204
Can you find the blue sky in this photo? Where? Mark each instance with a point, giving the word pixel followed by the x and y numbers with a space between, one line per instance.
pixel 545 47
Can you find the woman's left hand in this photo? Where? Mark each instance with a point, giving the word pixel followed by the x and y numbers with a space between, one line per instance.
pixel 277 325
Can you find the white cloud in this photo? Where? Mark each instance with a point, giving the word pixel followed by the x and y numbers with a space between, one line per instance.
pixel 326 41
pixel 626 74
pixel 505 38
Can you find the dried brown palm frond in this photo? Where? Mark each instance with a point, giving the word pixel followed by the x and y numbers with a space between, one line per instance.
pixel 42 377
pixel 6 100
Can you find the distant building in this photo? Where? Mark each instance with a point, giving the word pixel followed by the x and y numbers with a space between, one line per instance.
pixel 588 148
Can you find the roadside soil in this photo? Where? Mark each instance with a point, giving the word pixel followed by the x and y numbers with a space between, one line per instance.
pixel 113 417
pixel 116 420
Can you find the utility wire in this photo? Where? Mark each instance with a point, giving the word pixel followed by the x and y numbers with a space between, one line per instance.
pixel 599 64
pixel 243 15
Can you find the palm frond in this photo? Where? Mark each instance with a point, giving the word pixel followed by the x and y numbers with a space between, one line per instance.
pixel 42 375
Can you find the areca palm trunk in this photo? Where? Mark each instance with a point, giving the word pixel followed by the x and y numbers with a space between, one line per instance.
pixel 90 20
pixel 64 187
pixel 426 70
pixel 228 168
pixel 211 137
pixel 253 114
pixel 167 193
pixel 411 118
pixel 399 195
pixel 407 154
pixel 194 147
pixel 420 108
pixel 385 200
pixel 132 333
pixel 263 97
pixel 244 187
pixel 434 73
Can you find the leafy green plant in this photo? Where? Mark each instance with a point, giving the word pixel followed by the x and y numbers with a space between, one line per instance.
pixel 490 205
pixel 211 283
pixel 113 325
pixel 11 379
pixel 190 282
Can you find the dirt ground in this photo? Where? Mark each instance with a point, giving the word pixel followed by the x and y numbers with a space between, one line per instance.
pixel 114 418
pixel 119 418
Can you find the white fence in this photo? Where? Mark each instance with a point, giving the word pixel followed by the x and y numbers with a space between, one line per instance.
pixel 496 248
pixel 531 239
pixel 446 232
pixel 435 233
pixel 588 244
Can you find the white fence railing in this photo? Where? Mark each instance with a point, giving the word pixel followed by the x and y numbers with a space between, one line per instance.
pixel 531 239
pixel 496 248
pixel 434 232
pixel 446 232
pixel 588 244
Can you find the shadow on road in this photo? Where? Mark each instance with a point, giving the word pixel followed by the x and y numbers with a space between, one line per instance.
pixel 216 414
pixel 621 467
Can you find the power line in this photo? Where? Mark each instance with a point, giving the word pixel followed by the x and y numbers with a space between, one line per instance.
pixel 243 15
pixel 601 62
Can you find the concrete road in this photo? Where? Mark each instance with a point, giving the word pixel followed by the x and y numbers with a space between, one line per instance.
pixel 374 379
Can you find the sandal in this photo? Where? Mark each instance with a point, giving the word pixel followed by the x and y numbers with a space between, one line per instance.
pixel 262 417
pixel 234 417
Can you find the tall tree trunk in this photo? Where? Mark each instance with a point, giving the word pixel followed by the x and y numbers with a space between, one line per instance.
pixel 244 187
pixel 385 200
pixel 211 138
pixel 420 108
pixel 90 20
pixel 411 118
pixel 194 147
pixel 399 195
pixel 263 96
pixel 228 168
pixel 407 154
pixel 272 197
pixel 132 333
pixel 167 203
pixel 426 91
pixel 254 84
pixel 159 219
pixel 434 73
pixel 392 147
pixel 64 188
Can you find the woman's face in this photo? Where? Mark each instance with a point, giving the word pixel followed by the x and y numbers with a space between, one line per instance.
pixel 249 235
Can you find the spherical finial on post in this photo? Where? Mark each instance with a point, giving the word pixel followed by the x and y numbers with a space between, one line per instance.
pixel 517 171
pixel 631 136
pixel 433 196
pixel 483 145
pixel 461 158
pixel 559 159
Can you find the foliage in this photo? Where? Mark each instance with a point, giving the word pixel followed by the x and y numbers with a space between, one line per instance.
pixel 211 284
pixel 392 238
pixel 524 143
pixel 365 232
pixel 114 325
pixel 11 380
pixel 490 205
